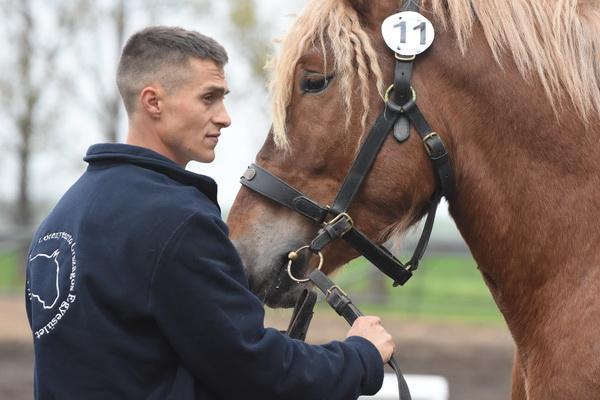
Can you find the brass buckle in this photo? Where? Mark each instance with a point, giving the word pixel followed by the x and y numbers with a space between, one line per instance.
pixel 426 138
pixel 339 217
pixel 293 256
pixel 331 289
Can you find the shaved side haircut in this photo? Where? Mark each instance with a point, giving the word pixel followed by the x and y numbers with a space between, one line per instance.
pixel 161 54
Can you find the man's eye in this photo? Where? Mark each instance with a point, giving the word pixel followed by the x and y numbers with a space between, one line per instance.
pixel 315 82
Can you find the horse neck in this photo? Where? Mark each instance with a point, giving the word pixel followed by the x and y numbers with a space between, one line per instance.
pixel 528 190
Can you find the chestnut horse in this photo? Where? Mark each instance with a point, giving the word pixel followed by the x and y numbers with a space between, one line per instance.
pixel 512 87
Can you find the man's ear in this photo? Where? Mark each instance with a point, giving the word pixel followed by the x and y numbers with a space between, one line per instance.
pixel 150 101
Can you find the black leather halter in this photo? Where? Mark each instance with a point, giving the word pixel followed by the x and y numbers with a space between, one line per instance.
pixel 399 112
pixel 400 108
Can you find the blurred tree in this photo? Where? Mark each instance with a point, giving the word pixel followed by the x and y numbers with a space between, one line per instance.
pixel 59 53
pixel 110 102
pixel 251 34
pixel 32 60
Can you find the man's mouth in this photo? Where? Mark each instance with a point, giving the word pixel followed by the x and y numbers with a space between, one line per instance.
pixel 213 136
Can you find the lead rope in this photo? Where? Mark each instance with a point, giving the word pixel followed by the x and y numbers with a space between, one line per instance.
pixel 343 305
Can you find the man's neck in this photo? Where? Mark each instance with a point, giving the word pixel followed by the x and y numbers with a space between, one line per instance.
pixel 147 137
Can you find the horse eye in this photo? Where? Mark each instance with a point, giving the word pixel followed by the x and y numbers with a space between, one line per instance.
pixel 315 83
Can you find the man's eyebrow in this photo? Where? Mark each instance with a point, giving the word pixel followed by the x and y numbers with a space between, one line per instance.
pixel 217 90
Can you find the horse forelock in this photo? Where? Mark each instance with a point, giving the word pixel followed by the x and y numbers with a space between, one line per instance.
pixel 555 41
pixel 333 25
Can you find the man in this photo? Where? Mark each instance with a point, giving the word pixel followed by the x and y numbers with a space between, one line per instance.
pixel 134 290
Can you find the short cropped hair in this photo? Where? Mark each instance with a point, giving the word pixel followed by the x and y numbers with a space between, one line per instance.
pixel 161 54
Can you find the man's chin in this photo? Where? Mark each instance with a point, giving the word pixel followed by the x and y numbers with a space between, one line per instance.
pixel 204 158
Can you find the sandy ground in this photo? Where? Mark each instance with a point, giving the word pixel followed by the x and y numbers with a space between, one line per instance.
pixel 476 360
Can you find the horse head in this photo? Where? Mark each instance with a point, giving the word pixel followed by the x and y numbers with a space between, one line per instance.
pixel 490 85
pixel 327 87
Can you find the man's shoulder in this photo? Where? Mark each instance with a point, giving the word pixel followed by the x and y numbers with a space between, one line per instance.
pixel 130 200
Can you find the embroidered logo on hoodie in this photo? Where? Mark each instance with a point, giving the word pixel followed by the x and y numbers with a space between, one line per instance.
pixel 51 280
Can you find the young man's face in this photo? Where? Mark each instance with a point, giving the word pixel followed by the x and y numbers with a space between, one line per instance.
pixel 194 113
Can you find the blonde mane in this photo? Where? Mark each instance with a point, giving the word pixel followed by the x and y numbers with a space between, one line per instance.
pixel 553 40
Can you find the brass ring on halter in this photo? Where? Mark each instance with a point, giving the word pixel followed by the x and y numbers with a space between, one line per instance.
pixel 293 256
pixel 405 58
pixel 386 96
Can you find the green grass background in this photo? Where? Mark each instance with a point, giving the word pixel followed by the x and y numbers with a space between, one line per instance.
pixel 448 287
pixel 11 272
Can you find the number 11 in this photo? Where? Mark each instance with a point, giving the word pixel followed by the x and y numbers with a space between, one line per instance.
pixel 402 26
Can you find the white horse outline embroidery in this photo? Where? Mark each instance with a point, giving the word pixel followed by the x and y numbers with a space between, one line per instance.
pixel 53 257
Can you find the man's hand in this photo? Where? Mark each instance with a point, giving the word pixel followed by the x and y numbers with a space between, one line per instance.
pixel 371 329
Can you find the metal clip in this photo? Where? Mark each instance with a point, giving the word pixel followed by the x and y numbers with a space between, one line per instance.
pixel 249 174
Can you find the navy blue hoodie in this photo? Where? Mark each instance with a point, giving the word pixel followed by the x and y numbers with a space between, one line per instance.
pixel 134 291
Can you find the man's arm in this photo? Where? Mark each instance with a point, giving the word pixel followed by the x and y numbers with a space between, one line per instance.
pixel 200 297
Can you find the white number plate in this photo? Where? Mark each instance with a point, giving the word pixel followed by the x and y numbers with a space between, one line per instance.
pixel 408 33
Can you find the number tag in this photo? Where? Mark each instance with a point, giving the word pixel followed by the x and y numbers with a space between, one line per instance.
pixel 408 33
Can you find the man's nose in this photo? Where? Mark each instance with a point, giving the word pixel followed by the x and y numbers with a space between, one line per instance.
pixel 222 117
